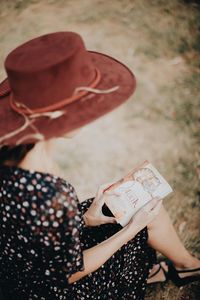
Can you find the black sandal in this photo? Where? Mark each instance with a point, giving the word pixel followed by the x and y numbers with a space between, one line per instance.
pixel 176 279
pixel 156 272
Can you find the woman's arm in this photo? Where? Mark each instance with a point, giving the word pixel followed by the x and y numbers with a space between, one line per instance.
pixel 96 256
pixel 99 254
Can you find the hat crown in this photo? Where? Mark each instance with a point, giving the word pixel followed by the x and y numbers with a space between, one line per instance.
pixel 48 69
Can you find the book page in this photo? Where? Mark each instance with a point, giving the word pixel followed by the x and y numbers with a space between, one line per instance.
pixel 136 189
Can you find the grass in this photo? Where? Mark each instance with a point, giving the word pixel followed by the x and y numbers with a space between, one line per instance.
pixel 165 30
pixel 187 118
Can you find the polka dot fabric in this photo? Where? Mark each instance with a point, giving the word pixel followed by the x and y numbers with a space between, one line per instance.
pixel 42 238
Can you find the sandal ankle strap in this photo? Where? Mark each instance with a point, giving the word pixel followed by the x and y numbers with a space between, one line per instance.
pixel 156 272
pixel 188 270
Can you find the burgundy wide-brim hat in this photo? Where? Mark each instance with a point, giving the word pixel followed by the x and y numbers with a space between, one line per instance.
pixel 54 85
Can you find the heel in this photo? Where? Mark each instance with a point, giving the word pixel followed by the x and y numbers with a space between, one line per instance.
pixel 176 279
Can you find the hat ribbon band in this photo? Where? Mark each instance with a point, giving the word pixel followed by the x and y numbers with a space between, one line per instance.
pixel 20 108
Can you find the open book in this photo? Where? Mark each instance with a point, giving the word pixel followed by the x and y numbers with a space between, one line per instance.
pixel 138 187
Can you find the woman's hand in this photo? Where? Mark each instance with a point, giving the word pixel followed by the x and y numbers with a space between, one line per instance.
pixel 94 215
pixel 144 216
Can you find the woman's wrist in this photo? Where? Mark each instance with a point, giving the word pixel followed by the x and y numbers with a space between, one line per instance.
pixel 130 232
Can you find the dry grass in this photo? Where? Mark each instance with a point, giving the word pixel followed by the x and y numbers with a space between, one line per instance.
pixel 160 40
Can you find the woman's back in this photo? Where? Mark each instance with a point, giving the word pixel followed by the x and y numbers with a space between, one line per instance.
pixel 39 224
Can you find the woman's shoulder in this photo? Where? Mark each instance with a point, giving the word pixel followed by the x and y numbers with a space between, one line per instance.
pixel 36 184
pixel 41 204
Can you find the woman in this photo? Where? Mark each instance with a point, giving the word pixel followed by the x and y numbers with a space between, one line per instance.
pixel 52 246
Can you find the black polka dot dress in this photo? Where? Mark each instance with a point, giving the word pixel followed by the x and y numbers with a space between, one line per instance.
pixel 42 239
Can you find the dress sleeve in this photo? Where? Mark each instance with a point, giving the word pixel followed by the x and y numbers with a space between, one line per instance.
pixel 58 234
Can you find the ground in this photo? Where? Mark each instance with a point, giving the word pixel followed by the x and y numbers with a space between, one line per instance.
pixel 160 42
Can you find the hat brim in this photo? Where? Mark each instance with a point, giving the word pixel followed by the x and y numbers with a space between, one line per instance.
pixel 78 113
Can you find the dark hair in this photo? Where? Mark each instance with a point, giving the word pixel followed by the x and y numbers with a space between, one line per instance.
pixel 14 154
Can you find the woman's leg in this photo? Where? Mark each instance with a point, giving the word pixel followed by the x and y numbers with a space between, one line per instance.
pixel 164 239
